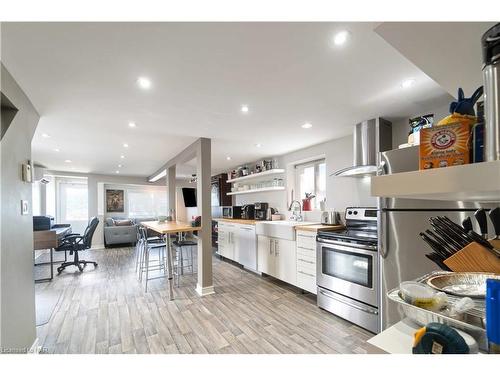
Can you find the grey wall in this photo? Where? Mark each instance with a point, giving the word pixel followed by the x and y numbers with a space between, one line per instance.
pixel 17 298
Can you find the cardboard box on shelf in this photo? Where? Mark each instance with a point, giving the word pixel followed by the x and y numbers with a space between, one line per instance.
pixel 445 145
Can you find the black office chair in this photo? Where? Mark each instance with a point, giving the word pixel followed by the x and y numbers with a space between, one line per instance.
pixel 75 243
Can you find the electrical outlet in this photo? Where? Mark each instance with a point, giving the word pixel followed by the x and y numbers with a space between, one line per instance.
pixel 24 207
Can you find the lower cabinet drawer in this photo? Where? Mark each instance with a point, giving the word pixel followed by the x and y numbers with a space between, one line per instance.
pixel 306 263
pixel 306 280
pixel 306 251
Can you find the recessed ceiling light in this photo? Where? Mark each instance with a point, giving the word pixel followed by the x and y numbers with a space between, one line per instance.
pixel 132 124
pixel 307 125
pixel 244 108
pixel 340 38
pixel 144 83
pixel 67 161
pixel 122 156
pixel 56 150
pixel 228 157
pixel 117 172
pixel 45 135
pixel 258 145
pixel 125 145
pixel 407 83
pixel 119 165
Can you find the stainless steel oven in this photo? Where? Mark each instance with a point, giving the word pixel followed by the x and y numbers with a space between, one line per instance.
pixel 347 269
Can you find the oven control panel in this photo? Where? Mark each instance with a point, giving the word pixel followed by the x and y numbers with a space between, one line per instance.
pixel 361 213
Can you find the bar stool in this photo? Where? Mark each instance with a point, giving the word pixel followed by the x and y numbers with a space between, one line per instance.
pixel 182 263
pixel 145 263
pixel 139 245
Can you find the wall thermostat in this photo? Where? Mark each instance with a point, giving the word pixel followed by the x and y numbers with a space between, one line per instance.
pixel 26 173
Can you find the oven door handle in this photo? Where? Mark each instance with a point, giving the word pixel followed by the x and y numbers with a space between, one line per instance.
pixel 349 303
pixel 366 249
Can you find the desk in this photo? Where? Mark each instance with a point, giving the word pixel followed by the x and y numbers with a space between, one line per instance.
pixel 167 228
pixel 49 239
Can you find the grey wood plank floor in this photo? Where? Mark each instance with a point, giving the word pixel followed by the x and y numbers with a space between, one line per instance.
pixel 107 311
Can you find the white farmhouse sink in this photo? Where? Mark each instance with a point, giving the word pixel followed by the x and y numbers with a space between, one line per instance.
pixel 284 229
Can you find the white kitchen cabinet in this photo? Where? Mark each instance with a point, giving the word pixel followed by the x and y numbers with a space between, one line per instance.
pixel 226 240
pixel 277 258
pixel 306 261
pixel 266 261
pixel 286 260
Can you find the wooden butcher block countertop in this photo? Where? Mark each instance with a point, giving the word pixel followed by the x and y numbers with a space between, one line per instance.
pixel 318 227
pixel 237 221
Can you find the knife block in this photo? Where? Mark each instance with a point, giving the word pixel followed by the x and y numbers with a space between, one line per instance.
pixel 473 258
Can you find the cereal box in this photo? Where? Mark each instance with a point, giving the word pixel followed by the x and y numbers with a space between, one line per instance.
pixel 445 145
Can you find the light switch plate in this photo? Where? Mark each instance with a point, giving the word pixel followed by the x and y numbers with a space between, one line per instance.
pixel 24 207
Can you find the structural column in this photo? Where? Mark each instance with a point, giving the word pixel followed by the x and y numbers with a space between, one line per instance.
pixel 203 174
pixel 171 189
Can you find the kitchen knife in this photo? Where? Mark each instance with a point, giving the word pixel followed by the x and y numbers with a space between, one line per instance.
pixel 452 229
pixel 452 240
pixel 495 219
pixel 448 248
pixel 457 229
pixel 443 254
pixel 467 224
pixel 482 221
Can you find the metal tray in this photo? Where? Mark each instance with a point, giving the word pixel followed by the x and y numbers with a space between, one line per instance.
pixel 462 284
pixel 473 321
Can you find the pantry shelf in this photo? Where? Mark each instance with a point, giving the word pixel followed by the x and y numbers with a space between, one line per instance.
pixel 479 182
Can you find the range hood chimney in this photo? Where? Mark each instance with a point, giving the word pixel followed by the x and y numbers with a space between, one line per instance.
pixel 370 138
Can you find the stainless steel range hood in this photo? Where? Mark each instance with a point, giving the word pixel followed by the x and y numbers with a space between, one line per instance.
pixel 370 138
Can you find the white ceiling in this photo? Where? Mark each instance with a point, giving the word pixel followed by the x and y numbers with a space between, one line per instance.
pixel 81 77
pixel 455 48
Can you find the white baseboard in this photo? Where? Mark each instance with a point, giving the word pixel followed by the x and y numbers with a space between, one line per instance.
pixel 35 349
pixel 204 291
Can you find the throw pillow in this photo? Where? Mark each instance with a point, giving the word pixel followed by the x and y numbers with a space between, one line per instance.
pixel 123 223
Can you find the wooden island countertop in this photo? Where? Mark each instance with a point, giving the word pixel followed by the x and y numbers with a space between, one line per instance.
pixel 170 226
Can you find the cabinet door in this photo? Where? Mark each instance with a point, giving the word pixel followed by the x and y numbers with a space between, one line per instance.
pixel 221 239
pixel 245 250
pixel 230 240
pixel 226 248
pixel 265 255
pixel 286 259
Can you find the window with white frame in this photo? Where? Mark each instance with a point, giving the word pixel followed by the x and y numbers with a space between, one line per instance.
pixel 146 202
pixel 310 178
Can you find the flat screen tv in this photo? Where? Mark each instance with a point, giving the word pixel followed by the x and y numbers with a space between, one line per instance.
pixel 189 195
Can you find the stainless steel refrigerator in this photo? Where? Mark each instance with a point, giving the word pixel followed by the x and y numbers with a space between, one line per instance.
pixel 401 250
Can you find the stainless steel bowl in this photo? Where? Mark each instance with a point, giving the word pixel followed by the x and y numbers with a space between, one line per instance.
pixel 463 284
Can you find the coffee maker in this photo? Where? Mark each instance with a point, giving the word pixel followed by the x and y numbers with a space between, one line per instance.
pixel 261 211
pixel 248 212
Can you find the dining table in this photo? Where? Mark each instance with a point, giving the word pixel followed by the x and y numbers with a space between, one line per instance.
pixel 167 228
